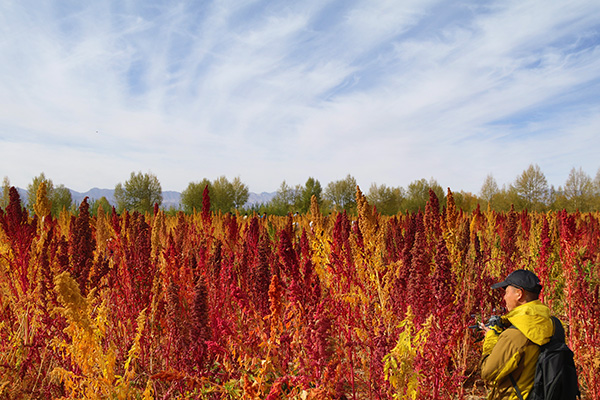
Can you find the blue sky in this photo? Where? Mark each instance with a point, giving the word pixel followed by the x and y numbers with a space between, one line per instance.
pixel 387 91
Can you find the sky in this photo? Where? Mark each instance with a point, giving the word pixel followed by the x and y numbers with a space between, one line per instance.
pixel 389 92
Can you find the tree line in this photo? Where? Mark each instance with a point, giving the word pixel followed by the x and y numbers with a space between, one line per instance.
pixel 142 191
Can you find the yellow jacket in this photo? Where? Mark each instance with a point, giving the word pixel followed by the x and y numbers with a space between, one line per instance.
pixel 515 351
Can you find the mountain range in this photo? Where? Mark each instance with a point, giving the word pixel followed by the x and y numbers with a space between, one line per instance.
pixel 170 198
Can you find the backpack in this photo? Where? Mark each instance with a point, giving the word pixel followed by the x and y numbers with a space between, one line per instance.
pixel 555 373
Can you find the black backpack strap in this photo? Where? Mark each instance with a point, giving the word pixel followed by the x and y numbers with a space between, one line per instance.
pixel 512 380
pixel 559 331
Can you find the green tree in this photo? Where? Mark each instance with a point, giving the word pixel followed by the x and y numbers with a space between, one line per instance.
pixel 342 194
pixel 61 198
pixel 531 189
pixel 596 183
pixel 139 193
pixel 387 200
pixel 240 193
pixel 191 197
pixel 5 190
pixel 596 191
pixel 489 190
pixel 557 199
pixel 312 187
pixel 101 202
pixel 417 194
pixel 466 201
pixel 221 195
pixel 504 199
pixel 284 200
pixel 32 190
pixel 225 196
pixel 579 191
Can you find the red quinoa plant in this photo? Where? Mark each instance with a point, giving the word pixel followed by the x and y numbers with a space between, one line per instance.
pixel 217 306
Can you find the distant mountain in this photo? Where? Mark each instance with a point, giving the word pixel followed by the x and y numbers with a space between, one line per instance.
pixel 261 198
pixel 94 194
pixel 22 194
pixel 173 199
pixel 170 198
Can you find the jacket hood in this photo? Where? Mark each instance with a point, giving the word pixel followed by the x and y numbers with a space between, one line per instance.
pixel 533 320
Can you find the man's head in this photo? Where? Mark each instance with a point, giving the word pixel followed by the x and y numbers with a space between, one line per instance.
pixel 521 286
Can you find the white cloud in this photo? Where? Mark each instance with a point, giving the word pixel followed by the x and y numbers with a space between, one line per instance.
pixel 387 91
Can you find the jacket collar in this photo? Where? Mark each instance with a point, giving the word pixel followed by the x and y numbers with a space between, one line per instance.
pixel 533 320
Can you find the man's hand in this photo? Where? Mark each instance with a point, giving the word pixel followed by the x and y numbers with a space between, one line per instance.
pixel 497 329
pixel 484 328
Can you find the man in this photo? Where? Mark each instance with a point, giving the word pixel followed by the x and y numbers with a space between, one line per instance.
pixel 510 352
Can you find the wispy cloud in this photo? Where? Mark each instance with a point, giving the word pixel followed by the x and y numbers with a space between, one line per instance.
pixel 387 91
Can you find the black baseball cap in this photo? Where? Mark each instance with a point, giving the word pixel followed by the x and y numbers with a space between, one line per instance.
pixel 521 278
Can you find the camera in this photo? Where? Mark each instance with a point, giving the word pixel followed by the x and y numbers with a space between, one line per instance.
pixel 495 320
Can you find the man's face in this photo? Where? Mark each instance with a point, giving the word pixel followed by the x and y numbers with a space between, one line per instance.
pixel 512 296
